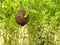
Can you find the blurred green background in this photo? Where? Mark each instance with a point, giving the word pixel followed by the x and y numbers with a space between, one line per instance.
pixel 43 27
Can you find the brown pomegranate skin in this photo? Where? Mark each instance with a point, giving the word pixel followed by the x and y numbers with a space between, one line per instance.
pixel 20 19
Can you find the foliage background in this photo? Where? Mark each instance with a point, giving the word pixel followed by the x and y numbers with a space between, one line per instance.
pixel 43 27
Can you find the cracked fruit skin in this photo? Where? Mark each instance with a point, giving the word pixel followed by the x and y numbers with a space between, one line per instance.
pixel 20 19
